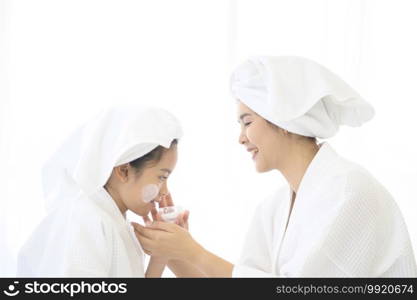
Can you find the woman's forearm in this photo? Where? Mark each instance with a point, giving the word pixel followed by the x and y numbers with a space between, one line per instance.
pixel 210 264
pixel 155 268
pixel 184 269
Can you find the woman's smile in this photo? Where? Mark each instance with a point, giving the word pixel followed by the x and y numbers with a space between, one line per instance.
pixel 254 152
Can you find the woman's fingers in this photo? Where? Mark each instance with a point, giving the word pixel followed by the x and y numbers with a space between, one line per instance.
pixel 162 226
pixel 186 216
pixel 145 243
pixel 143 231
pixel 182 219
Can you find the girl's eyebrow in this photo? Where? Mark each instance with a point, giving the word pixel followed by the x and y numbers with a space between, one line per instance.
pixel 166 170
pixel 242 116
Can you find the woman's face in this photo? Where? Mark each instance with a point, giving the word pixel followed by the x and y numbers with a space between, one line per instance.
pixel 263 140
pixel 133 191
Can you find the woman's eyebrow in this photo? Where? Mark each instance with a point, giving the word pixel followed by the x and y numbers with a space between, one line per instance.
pixel 242 116
pixel 166 170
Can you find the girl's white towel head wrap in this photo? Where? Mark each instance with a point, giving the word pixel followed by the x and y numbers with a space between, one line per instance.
pixel 83 164
pixel 299 95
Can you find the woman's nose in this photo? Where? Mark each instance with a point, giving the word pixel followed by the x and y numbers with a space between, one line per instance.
pixel 242 138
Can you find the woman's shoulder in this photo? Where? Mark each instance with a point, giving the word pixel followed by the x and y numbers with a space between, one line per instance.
pixel 362 190
pixel 359 181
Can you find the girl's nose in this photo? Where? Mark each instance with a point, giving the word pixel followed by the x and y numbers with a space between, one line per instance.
pixel 164 189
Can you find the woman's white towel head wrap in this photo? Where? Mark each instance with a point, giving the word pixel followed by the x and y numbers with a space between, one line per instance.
pixel 83 164
pixel 299 95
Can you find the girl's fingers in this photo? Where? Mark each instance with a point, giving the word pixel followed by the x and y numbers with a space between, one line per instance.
pixel 163 201
pixel 154 213
pixel 158 218
pixel 147 220
pixel 169 200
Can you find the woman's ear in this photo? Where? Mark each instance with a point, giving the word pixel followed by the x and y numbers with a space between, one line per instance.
pixel 122 172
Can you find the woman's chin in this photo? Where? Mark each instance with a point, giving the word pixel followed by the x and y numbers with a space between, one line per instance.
pixel 262 168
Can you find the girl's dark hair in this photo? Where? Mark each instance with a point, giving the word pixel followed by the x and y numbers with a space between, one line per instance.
pixel 151 158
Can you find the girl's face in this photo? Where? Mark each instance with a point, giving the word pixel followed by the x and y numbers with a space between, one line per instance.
pixel 135 188
pixel 264 141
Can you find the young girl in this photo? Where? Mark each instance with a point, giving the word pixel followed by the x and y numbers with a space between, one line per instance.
pixel 121 160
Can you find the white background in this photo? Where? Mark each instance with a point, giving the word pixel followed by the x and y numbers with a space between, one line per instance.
pixel 62 61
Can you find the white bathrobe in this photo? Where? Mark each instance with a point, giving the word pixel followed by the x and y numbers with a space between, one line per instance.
pixel 88 238
pixel 344 223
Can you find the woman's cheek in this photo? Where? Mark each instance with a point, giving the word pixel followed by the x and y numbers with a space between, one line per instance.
pixel 252 135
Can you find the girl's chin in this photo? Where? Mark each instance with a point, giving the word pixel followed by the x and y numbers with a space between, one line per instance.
pixel 143 212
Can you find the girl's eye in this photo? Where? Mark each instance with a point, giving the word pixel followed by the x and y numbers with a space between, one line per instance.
pixel 247 124
pixel 163 177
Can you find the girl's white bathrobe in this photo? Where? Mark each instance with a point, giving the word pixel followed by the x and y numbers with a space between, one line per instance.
pixel 344 223
pixel 87 238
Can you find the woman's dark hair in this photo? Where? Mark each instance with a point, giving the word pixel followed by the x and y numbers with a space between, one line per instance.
pixel 151 158
pixel 312 139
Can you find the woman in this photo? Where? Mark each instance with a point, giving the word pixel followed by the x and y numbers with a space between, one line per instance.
pixel 119 161
pixel 333 218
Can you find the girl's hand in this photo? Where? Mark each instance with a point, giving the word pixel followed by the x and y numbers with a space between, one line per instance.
pixel 156 217
pixel 182 219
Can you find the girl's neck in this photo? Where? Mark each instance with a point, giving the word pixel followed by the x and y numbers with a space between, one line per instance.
pixel 114 195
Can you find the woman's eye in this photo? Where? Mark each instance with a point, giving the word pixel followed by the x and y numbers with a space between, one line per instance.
pixel 163 177
pixel 247 124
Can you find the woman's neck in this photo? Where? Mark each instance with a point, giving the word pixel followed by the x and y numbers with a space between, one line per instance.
pixel 297 163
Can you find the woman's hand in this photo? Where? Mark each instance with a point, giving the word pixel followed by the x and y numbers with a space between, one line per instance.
pixel 167 240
